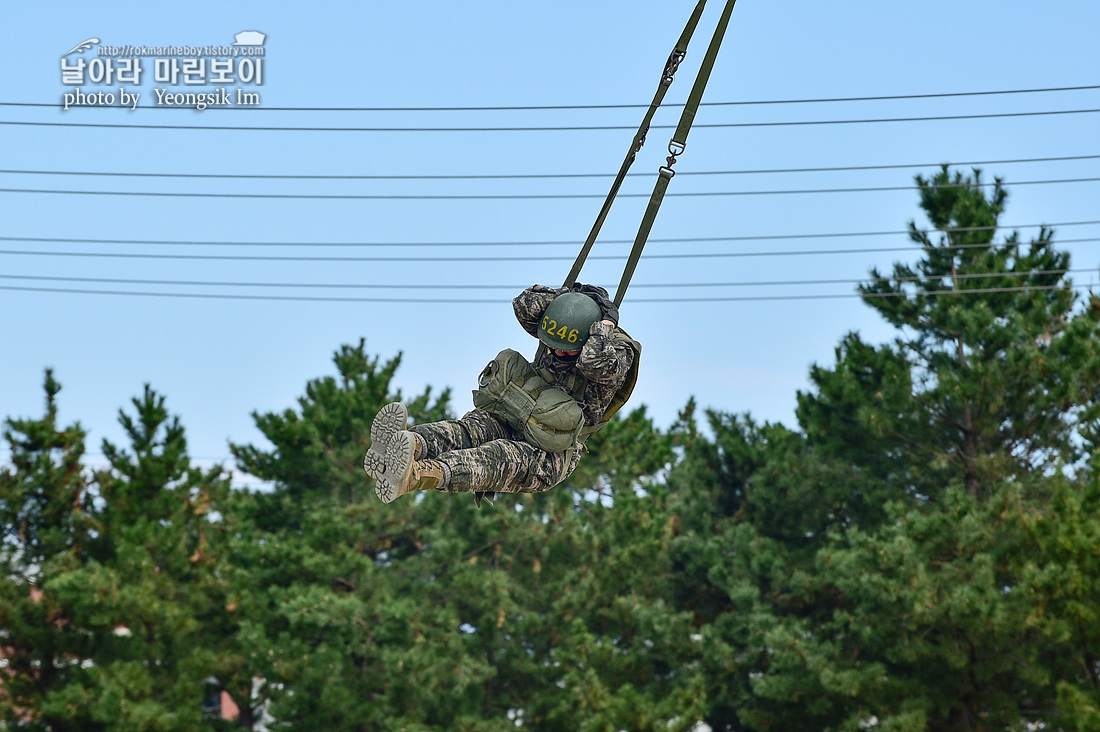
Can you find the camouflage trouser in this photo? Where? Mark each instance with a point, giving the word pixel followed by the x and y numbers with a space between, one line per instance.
pixel 485 454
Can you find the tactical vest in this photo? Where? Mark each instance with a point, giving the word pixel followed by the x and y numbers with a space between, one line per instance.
pixel 528 399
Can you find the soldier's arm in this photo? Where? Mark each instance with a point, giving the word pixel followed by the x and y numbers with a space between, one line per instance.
pixel 602 359
pixel 530 304
pixel 609 309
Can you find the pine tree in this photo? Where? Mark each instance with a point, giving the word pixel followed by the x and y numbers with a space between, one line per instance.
pixel 129 613
pixel 323 620
pixel 885 582
pixel 1003 375
pixel 1060 580
pixel 46 519
pixel 429 613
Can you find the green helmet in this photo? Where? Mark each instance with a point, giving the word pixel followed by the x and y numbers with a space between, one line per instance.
pixel 566 321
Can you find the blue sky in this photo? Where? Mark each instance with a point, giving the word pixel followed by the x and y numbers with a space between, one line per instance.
pixel 217 360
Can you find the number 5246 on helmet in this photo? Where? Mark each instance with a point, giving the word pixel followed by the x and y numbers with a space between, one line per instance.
pixel 566 321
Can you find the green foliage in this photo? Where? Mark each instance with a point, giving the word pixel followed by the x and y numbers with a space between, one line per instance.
pixel 45 516
pixel 318 449
pixel 430 614
pixel 1005 369
pixel 1061 581
pixel 113 608
pixel 920 554
pixel 894 566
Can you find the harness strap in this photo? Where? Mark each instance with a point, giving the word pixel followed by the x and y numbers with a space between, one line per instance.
pixel 675 147
pixel 674 59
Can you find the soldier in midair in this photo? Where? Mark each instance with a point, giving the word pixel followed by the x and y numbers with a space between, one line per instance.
pixel 526 433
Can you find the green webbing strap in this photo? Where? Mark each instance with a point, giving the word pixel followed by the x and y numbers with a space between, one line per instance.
pixel 671 65
pixel 675 148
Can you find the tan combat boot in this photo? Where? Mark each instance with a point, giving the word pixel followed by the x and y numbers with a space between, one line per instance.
pixel 403 474
pixel 428 475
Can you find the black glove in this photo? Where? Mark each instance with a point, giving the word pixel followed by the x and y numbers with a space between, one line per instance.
pixel 609 309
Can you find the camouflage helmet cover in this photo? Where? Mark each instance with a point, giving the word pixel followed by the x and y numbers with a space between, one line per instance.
pixel 566 320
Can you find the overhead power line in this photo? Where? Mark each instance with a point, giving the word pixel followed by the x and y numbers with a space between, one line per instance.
pixel 556 242
pixel 499 301
pixel 528 258
pixel 518 288
pixel 551 128
pixel 513 176
pixel 524 196
pixel 55 105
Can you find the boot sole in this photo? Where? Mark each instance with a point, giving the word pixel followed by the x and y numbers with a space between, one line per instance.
pixel 394 481
pixel 391 419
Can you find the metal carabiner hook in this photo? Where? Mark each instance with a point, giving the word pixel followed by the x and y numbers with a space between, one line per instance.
pixel 672 64
pixel 675 149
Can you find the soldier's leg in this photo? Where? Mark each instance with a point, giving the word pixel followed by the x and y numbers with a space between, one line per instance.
pixel 475 428
pixel 504 466
pixel 476 454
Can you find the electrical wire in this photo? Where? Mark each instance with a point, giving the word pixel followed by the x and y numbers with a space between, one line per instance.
pixel 607 106
pixel 565 128
pixel 518 288
pixel 499 301
pixel 525 196
pixel 534 176
pixel 558 242
pixel 536 258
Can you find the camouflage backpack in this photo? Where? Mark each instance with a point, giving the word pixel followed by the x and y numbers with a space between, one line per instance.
pixel 548 417
pixel 511 389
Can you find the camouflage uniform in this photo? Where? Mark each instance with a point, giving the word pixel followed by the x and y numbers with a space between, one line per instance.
pixel 482 453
